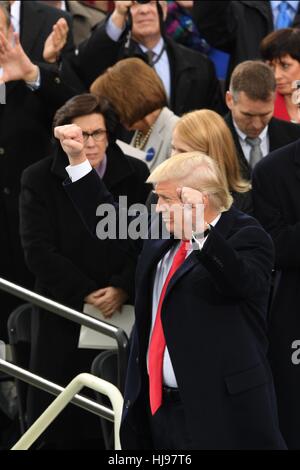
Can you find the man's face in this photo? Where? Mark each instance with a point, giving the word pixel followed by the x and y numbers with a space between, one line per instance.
pixel 179 218
pixel 250 116
pixel 145 20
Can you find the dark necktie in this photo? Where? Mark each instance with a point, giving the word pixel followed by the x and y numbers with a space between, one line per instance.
pixel 255 152
pixel 150 55
pixel 158 341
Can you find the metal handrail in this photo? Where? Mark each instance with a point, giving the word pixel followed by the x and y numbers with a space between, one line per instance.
pixel 80 381
pixel 83 319
pixel 54 389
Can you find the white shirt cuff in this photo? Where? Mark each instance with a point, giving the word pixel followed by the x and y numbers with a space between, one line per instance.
pixel 35 85
pixel 113 31
pixel 76 172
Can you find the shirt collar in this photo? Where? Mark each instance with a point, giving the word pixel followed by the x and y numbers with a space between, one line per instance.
pixel 216 220
pixel 155 49
pixel 243 136
pixel 213 224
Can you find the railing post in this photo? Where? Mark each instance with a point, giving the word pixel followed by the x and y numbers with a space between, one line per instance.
pixel 83 319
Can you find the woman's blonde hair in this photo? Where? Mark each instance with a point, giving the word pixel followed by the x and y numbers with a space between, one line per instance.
pixel 206 131
pixel 197 171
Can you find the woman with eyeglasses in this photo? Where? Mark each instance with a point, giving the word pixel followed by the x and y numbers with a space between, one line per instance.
pixel 69 264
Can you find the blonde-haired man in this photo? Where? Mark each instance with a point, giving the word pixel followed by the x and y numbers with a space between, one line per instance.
pixel 197 376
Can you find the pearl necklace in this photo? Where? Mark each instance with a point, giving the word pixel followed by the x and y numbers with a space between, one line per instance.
pixel 141 139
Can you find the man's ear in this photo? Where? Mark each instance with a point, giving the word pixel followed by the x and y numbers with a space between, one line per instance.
pixel 229 99
pixel 205 200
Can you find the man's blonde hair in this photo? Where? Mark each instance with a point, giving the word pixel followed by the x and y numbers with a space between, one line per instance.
pixel 197 171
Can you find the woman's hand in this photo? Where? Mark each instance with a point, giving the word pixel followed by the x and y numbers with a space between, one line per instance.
pixel 108 300
pixel 71 140
pixel 14 61
pixel 56 41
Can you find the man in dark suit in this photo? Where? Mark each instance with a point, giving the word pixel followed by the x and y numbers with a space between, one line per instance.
pixel 189 77
pixel 276 195
pixel 197 374
pixel 238 27
pixel 251 98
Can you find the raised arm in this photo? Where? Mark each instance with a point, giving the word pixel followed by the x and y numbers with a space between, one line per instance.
pixel 39 233
pixel 88 192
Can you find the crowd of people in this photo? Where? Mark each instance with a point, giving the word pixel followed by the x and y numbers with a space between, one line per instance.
pixel 187 108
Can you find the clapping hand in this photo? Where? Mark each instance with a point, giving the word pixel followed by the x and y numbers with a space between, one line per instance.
pixel 14 61
pixel 56 41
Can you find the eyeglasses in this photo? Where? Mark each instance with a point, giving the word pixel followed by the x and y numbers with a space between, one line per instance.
pixel 98 135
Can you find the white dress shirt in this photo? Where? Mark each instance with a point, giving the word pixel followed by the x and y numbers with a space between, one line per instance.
pixel 162 271
pixel 15 15
pixel 63 6
pixel 162 66
pixel 264 137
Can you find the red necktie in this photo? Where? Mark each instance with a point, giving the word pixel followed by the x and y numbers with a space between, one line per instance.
pixel 158 341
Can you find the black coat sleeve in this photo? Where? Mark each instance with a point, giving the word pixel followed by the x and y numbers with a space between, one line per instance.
pixel 215 100
pixel 58 84
pixel 87 194
pixel 65 282
pixel 96 54
pixel 268 210
pixel 142 189
pixel 217 22
pixel 240 266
